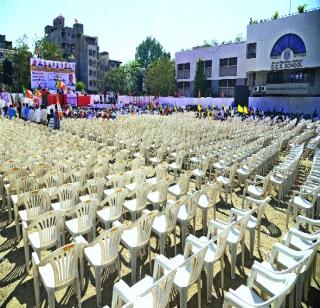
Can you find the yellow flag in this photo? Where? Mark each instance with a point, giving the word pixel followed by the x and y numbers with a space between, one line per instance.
pixel 240 109
pixel 199 107
pixel 245 110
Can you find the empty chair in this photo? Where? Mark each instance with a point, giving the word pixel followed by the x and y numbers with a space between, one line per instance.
pixel 245 296
pixel 42 233
pixel 188 268
pixel 139 178
pixel 228 182
pixel 135 206
pixel 177 165
pixel 35 203
pixel 103 253
pixel 187 212
pixel 81 219
pixel 52 181
pixel 112 207
pixel 200 173
pixel 299 201
pixel 67 196
pixel 158 158
pixel 208 200
pixel 57 271
pixel 161 173
pixel 158 196
pixel 254 223
pixel 148 292
pixel 137 237
pixel 236 235
pixel 216 243
pixel 95 189
pixel 182 187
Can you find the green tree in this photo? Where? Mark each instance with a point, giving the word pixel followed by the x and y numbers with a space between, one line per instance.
pixel 80 86
pixel 134 76
pixel 7 72
pixel 199 80
pixel 275 15
pixel 302 8
pixel 20 60
pixel 150 50
pixel 46 49
pixel 116 81
pixel 160 77
pixel 239 38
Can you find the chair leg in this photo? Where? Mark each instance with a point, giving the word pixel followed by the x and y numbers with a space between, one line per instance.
pixel 288 213
pixel 204 220
pixel 26 249
pixel 222 272
pixel 36 285
pixel 98 284
pixel 233 250
pixel 242 253
pixel 16 219
pixel 175 241
pixel 252 238
pixel 199 291
pixel 162 240
pixel 209 268
pixel 299 290
pixel 149 255
pixel 133 266
pixel 183 297
pixel 183 228
pixel 51 299
pixel 78 287
pixel 119 267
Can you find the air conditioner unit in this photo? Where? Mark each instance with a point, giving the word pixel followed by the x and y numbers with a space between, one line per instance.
pixel 263 89
pixel 256 89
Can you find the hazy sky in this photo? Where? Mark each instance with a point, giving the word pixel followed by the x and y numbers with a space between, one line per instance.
pixel 122 24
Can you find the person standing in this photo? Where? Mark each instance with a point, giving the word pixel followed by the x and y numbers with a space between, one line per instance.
pixel 51 121
pixel 43 115
pixel 26 112
pixel 56 118
pixel 11 112
pixel 31 114
pixel 37 115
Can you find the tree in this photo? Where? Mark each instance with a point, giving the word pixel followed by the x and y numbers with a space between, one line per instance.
pixel 150 50
pixel 135 77
pixel 275 15
pixel 116 81
pixel 80 86
pixel 20 60
pixel 7 72
pixel 238 38
pixel 199 80
pixel 302 8
pixel 46 49
pixel 160 78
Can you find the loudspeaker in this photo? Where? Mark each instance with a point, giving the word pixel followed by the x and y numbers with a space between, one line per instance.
pixel 241 95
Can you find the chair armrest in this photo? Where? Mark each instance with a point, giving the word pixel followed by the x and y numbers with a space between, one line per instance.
pixel 299 193
pixel 216 224
pixel 232 298
pixel 238 212
pixel 302 219
pixel 35 259
pixel 300 234
pixel 160 267
pixel 163 261
pixel 122 290
pixel 278 247
pixel 193 241
pixel 117 223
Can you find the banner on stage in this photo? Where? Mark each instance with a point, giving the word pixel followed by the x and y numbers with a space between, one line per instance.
pixel 46 73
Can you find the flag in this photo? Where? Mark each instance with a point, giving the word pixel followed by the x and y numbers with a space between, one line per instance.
pixel 240 109
pixel 245 110
pixel 160 107
pixel 199 107
pixel 175 107
pixel 199 93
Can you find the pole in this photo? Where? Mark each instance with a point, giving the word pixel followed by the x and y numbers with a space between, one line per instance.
pixel 290 7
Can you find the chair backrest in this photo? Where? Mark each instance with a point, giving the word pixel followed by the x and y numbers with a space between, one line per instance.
pixel 68 196
pixel 142 192
pixel 25 184
pixel 261 209
pixel 161 172
pixel 204 165
pixel 162 187
pixel 15 173
pixel 64 262
pixel 180 158
pixel 48 226
pixel 53 179
pixel 171 213
pixel 140 176
pixel 109 242
pixel 36 202
pixel 232 173
pixel 184 182
pixel 144 225
pixel 212 192
pixel 96 187
pixel 266 182
pixel 315 194
pixel 115 202
pixel 192 203
pixel 84 212
pixel 137 163
pixel 193 265
pixel 119 180
pixel 243 222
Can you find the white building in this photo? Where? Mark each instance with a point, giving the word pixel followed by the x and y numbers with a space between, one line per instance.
pixel 281 57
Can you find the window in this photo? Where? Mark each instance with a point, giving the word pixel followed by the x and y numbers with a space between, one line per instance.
pixel 226 87
pixel 90 83
pixel 184 71
pixel 208 68
pixel 184 88
pixel 228 67
pixel 90 72
pixel 251 50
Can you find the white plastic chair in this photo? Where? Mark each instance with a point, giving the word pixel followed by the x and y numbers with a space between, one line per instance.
pixel 57 271
pixel 182 187
pixel 95 189
pixel 102 253
pixel 113 211
pixel 188 268
pixel 228 182
pixel 158 196
pixel 245 296
pixel 177 165
pixel 136 237
pixel 42 233
pixel 137 205
pixel 67 196
pixel 148 292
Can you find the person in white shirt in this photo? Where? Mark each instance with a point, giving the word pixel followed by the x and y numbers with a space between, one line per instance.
pixel 31 115
pixel 43 115
pixel 37 115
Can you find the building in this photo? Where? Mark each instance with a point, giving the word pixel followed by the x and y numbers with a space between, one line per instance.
pixel 5 47
pixel 281 57
pixel 77 47
pixel 224 68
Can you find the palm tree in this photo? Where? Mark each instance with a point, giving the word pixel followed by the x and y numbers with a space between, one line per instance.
pixel 275 15
pixel 302 8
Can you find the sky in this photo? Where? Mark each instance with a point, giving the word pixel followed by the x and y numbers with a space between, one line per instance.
pixel 122 24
